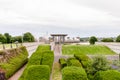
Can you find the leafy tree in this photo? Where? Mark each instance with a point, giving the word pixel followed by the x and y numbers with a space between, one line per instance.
pixel 16 38
pixel 92 40
pixel 8 37
pixel 107 40
pixel 2 38
pixel 28 37
pixel 118 39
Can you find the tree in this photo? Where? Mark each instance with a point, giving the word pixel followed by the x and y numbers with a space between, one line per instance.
pixel 17 38
pixel 28 37
pixel 107 40
pixel 92 40
pixel 2 38
pixel 8 37
pixel 118 39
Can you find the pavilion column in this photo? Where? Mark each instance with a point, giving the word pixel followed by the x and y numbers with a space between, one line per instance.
pixel 63 39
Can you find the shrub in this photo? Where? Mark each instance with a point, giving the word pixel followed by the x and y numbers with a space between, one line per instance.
pixel 107 75
pixel 107 40
pixel 63 62
pixel 41 57
pixel 74 62
pixel 38 72
pixel 99 63
pixel 47 58
pixel 92 40
pixel 15 62
pixel 81 57
pixel 43 48
pixel 73 73
pixel 118 38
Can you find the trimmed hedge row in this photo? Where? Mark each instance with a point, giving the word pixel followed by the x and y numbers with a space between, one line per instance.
pixel 63 62
pixel 84 60
pixel 38 72
pixel 74 62
pixel 107 75
pixel 42 56
pixel 74 73
pixel 18 57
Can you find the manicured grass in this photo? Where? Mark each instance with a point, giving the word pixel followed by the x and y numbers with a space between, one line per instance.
pixel 86 49
pixel 56 74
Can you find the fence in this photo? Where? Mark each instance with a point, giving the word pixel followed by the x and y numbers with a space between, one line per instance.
pixel 10 46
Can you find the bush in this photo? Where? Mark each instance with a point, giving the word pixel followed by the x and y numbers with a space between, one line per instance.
pixel 73 73
pixel 15 62
pixel 92 40
pixel 38 72
pixel 107 40
pixel 41 57
pixel 81 57
pixel 62 62
pixel 43 48
pixel 99 63
pixel 74 62
pixel 118 39
pixel 107 75
pixel 47 58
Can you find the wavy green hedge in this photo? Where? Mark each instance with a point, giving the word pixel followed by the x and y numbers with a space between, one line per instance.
pixel 38 72
pixel 62 62
pixel 74 73
pixel 42 56
pixel 107 75
pixel 18 57
pixel 74 62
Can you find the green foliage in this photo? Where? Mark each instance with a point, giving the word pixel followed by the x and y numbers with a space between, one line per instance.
pixel 15 62
pixel 38 72
pixel 28 37
pixel 47 58
pixel 118 38
pixel 81 57
pixel 86 49
pixel 99 63
pixel 42 56
pixel 63 62
pixel 16 38
pixel 92 40
pixel 107 40
pixel 74 73
pixel 107 75
pixel 74 62
pixel 8 37
pixel 2 38
pixel 43 48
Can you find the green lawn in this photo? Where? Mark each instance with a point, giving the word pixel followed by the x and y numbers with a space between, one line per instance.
pixel 86 49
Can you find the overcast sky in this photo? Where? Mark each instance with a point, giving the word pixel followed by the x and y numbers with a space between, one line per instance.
pixel 75 17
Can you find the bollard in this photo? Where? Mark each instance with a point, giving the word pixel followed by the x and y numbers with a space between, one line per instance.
pixel 2 75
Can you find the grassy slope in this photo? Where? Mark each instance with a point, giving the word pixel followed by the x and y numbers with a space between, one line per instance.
pixel 86 49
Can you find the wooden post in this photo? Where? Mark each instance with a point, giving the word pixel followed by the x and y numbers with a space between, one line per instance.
pixel 3 46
